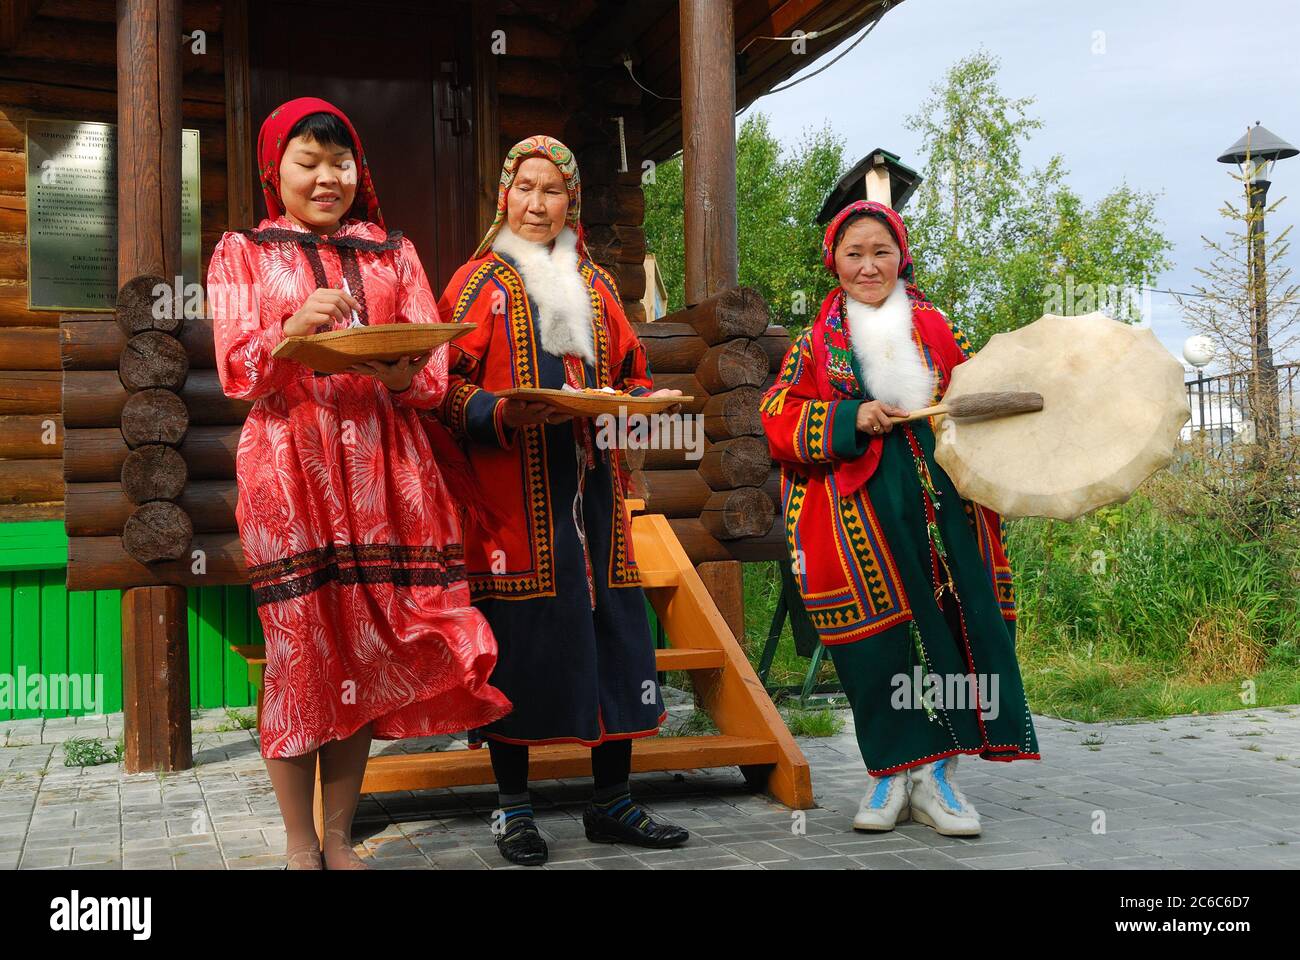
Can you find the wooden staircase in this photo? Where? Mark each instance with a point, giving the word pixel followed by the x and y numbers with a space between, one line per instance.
pixel 752 734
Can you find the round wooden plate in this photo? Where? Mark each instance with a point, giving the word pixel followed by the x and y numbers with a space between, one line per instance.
pixel 592 404
pixel 336 350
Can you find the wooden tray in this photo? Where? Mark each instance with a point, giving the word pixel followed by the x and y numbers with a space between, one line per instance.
pixel 336 350
pixel 592 404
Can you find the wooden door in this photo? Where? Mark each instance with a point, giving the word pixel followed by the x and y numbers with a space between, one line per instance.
pixel 401 71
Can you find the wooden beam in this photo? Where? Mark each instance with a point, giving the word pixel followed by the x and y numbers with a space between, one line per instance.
pixel 148 138
pixel 708 47
pixel 156 680
pixel 155 648
pixel 239 129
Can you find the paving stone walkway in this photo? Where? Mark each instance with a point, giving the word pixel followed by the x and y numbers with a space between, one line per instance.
pixel 1187 792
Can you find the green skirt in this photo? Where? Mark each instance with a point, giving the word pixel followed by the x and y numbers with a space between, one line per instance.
pixel 947 682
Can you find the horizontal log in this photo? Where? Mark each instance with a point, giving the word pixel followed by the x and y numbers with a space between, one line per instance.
pixel 700 545
pixel 743 512
pixel 630 278
pixel 30 481
pixel 102 509
pixel 739 312
pixel 31 437
pixel 29 391
pixel 31 348
pixel 768 546
pixel 24 512
pixel 13 306
pixel 732 364
pixel 90 341
pixel 725 465
pixel 634 310
pixel 775 343
pixel 157 532
pixel 618 243
pixel 671 347
pixel 96 455
pixel 674 493
pixel 519 118
pixel 733 414
pixel 615 204
pixel 101 563
pixel 688 384
pixel 95 398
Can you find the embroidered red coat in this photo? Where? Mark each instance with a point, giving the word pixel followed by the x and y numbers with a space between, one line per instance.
pixel 512 555
pixel 846 573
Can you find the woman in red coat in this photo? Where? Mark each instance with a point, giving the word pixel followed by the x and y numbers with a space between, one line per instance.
pixel 908 584
pixel 353 544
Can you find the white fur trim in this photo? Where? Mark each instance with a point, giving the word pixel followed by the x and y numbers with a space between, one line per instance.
pixel 891 364
pixel 553 282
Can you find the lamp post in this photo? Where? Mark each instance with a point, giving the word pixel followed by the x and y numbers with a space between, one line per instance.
pixel 1255 154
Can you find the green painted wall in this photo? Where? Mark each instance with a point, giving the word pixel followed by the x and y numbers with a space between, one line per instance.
pixel 46 629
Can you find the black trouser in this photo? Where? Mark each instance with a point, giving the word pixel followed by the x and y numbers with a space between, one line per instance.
pixel 611 764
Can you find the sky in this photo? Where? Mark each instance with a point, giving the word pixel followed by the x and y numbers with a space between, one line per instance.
pixel 1176 82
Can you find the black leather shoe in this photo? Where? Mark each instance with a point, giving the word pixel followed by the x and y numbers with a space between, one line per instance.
pixel 647 832
pixel 524 846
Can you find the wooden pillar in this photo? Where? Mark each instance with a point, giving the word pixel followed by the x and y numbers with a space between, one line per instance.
pixel 155 660
pixel 877 182
pixel 708 55
pixel 156 680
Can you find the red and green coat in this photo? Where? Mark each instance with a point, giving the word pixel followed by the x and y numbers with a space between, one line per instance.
pixel 844 567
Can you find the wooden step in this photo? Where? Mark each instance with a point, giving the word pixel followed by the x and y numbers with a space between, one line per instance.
pixel 654 577
pixel 462 768
pixel 689 658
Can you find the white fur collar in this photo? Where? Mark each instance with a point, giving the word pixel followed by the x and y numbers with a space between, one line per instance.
pixel 554 284
pixel 891 364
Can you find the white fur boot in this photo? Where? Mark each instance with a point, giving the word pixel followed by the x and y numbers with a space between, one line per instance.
pixel 884 805
pixel 937 801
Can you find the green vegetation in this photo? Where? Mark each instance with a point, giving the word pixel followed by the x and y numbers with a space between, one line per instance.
pixel 87 752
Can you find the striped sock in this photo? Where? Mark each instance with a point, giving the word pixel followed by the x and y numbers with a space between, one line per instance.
pixel 515 813
pixel 617 802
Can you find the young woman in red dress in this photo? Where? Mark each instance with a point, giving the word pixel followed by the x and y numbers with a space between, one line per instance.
pixel 352 540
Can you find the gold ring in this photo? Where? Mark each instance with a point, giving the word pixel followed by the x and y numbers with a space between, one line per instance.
pixel 875 428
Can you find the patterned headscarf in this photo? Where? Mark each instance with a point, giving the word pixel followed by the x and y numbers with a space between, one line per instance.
pixel 878 211
pixel 273 140
pixel 565 162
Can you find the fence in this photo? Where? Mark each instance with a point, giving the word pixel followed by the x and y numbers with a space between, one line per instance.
pixel 49 632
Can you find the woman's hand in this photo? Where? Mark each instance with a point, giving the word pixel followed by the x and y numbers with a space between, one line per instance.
pixel 873 417
pixel 322 307
pixel 665 392
pixel 396 376
pixel 518 413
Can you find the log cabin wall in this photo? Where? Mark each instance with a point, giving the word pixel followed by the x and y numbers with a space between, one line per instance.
pixel 59 61
pixel 544 87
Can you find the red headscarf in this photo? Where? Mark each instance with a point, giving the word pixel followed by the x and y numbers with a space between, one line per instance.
pixel 274 139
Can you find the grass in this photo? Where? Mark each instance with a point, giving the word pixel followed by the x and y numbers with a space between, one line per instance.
pixel 237 721
pixel 814 723
pixel 1159 606
pixel 86 752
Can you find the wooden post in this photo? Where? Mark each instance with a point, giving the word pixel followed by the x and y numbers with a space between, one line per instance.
pixel 155 646
pixel 708 56
pixel 156 679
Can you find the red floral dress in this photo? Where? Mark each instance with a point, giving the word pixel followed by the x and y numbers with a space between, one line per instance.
pixel 353 546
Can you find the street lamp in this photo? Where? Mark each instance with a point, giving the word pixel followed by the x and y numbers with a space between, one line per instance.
pixel 1255 154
